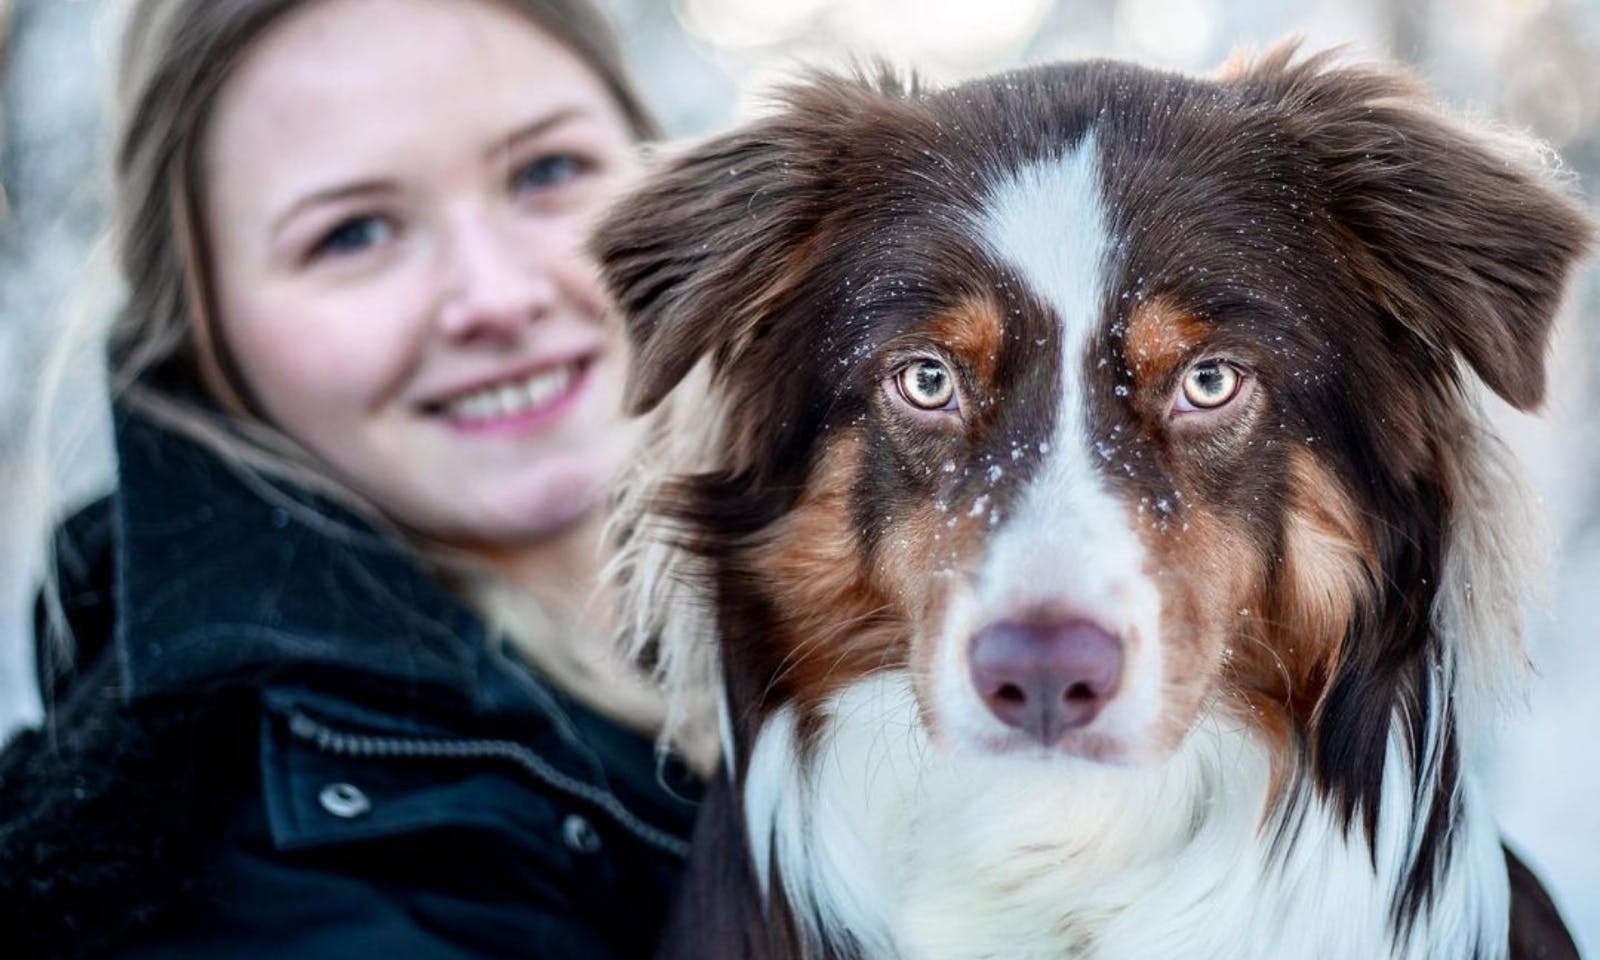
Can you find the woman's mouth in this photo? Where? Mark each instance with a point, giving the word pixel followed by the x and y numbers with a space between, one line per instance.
pixel 528 400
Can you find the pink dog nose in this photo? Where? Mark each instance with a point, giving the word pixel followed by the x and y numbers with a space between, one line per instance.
pixel 1045 677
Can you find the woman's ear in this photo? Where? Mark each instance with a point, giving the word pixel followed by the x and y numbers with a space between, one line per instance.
pixel 1461 239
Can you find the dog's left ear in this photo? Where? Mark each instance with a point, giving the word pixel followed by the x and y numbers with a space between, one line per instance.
pixel 1462 240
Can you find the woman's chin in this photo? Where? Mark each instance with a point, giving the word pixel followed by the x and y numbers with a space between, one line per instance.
pixel 562 500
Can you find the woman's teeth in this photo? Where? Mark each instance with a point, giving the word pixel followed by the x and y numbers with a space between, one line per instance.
pixel 536 391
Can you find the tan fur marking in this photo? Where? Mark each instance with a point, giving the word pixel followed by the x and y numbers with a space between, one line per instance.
pixel 1160 335
pixel 924 558
pixel 975 332
pixel 1266 638
pixel 838 625
pixel 1207 574
pixel 1328 567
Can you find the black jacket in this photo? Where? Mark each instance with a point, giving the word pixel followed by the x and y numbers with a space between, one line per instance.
pixel 284 739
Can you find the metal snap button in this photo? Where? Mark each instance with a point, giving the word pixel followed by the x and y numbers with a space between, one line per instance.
pixel 344 800
pixel 580 835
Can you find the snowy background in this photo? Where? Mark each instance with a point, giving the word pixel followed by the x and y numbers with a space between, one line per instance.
pixel 1531 64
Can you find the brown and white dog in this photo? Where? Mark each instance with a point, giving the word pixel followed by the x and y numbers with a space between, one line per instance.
pixel 1071 483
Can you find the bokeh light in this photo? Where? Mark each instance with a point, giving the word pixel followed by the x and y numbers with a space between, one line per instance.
pixel 747 23
pixel 1177 32
pixel 954 34
pixel 946 39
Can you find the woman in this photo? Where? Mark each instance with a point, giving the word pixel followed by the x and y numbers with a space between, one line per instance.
pixel 367 399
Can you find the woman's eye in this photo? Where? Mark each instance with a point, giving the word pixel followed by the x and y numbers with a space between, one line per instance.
pixel 1208 385
pixel 927 385
pixel 354 235
pixel 548 171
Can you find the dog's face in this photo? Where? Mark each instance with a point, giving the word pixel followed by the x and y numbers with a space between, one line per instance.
pixel 1094 398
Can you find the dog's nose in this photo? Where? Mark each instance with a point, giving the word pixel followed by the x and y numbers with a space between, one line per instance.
pixel 1045 677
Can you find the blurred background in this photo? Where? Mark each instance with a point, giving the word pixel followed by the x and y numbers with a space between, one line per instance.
pixel 1531 65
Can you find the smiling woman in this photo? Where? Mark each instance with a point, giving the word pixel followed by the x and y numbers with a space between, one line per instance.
pixel 463 376
pixel 338 685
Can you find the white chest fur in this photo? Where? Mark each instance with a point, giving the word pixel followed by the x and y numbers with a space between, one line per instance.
pixel 921 858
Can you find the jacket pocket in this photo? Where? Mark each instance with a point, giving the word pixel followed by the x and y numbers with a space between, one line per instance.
pixel 335 774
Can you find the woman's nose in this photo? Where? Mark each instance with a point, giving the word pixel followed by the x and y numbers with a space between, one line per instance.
pixel 496 284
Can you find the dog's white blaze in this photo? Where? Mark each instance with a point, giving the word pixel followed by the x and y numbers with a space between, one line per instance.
pixel 922 855
pixel 1068 543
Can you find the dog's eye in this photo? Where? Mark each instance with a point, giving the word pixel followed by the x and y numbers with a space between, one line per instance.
pixel 927 385
pixel 1208 385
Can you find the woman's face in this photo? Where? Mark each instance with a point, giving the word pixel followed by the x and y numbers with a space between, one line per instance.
pixel 396 194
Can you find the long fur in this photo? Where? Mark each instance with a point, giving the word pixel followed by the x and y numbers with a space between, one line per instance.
pixel 1332 581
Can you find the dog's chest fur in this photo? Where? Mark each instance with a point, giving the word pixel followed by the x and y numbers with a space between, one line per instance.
pixel 921 858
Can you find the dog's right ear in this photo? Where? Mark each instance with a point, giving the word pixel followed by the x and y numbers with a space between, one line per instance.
pixel 717 234
pixel 690 257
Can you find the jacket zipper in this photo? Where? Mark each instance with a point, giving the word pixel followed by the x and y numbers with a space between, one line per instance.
pixel 343 744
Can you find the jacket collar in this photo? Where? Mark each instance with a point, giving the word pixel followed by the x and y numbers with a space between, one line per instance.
pixel 222 579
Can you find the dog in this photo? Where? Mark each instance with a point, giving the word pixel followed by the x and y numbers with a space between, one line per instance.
pixel 1074 487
